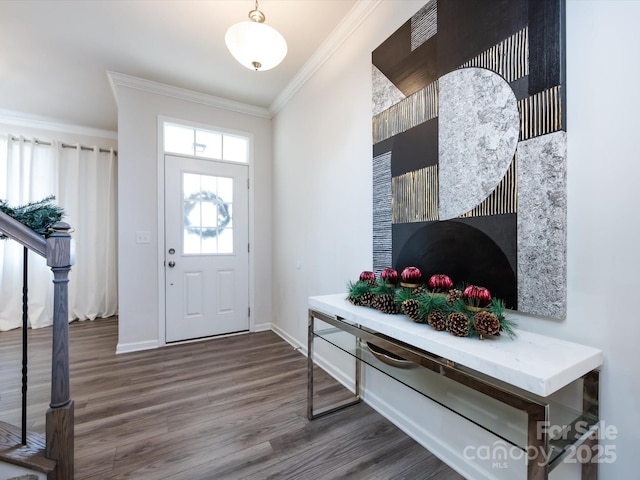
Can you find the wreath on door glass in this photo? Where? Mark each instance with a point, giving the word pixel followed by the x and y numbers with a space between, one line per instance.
pixel 206 197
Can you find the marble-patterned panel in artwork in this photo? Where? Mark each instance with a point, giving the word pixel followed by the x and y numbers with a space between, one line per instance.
pixel 384 92
pixel 542 223
pixel 479 125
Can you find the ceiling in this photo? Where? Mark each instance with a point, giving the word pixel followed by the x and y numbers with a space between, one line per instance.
pixel 54 54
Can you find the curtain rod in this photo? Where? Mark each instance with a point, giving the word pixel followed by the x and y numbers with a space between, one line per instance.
pixel 64 145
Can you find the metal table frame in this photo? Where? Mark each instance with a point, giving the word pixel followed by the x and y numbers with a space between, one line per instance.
pixel 535 410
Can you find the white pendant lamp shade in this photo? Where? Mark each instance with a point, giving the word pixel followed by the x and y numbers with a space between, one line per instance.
pixel 255 45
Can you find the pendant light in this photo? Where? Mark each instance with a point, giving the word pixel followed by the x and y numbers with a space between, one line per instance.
pixel 255 45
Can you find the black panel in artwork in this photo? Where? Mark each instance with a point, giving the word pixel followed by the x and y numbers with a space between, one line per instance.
pixel 464 253
pixel 467 28
pixel 520 87
pixel 395 48
pixel 502 229
pixel 546 44
pixel 418 69
pixel 383 147
pixel 416 148
pixel 408 71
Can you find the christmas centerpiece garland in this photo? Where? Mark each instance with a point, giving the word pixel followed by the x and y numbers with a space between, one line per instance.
pixel 38 216
pixel 223 216
pixel 463 312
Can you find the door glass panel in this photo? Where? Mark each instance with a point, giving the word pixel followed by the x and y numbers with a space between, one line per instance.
pixel 191 184
pixel 207 203
pixel 230 224
pixel 209 246
pixel 225 241
pixel 225 189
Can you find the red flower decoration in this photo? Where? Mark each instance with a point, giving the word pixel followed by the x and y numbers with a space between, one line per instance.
pixel 368 277
pixel 411 275
pixel 440 283
pixel 389 275
pixel 476 296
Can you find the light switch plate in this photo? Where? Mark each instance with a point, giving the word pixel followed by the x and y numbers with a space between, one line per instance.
pixel 143 236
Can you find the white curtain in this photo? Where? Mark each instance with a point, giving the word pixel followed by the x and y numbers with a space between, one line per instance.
pixel 84 183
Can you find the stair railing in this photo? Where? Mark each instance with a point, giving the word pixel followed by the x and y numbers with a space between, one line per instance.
pixel 58 249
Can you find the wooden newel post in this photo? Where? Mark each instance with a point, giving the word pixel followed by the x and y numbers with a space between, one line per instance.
pixel 60 257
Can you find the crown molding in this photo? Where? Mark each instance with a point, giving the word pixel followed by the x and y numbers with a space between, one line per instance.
pixel 20 119
pixel 122 80
pixel 358 14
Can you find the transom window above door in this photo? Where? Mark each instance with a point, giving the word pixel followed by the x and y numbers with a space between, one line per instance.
pixel 185 140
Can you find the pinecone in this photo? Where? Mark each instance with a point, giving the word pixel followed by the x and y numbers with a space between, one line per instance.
pixel 437 319
pixel 354 300
pixel 454 295
pixel 458 324
pixel 411 309
pixel 366 299
pixel 486 323
pixel 386 303
pixel 419 290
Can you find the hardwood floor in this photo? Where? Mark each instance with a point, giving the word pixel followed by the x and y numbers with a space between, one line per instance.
pixel 228 408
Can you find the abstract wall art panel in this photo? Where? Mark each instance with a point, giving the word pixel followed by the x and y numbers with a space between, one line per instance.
pixel 469 148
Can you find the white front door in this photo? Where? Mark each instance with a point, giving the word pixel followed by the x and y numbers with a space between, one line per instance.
pixel 206 248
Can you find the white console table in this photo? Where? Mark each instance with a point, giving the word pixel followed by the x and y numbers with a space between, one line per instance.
pixel 518 373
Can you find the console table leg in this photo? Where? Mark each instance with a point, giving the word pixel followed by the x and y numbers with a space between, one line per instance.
pixel 311 412
pixel 591 405
pixel 310 367
pixel 358 365
pixel 538 442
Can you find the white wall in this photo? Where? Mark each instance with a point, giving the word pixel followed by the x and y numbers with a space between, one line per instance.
pixel 139 265
pixel 322 197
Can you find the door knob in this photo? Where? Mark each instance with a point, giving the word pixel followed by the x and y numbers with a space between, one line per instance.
pixel 171 264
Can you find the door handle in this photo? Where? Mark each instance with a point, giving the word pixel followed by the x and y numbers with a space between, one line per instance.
pixel 171 264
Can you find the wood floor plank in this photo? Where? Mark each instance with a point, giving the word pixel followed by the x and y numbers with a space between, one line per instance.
pixel 223 409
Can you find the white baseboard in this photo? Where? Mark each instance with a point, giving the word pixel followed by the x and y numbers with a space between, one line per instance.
pixel 136 346
pixel 261 327
pixel 289 339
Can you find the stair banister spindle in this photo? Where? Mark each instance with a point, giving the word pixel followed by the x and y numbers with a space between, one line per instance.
pixel 25 336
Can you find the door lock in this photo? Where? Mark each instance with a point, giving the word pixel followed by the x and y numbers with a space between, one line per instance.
pixel 171 264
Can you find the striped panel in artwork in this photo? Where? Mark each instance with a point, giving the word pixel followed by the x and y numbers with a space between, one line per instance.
pixel 509 58
pixel 424 24
pixel 381 212
pixel 415 196
pixel 407 113
pixel 503 199
pixel 541 113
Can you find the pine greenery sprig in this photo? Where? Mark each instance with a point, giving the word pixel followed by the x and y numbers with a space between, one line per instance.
pixel 404 294
pixel 506 325
pixel 430 302
pixel 383 288
pixel 38 216
pixel 460 307
pixel 357 289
